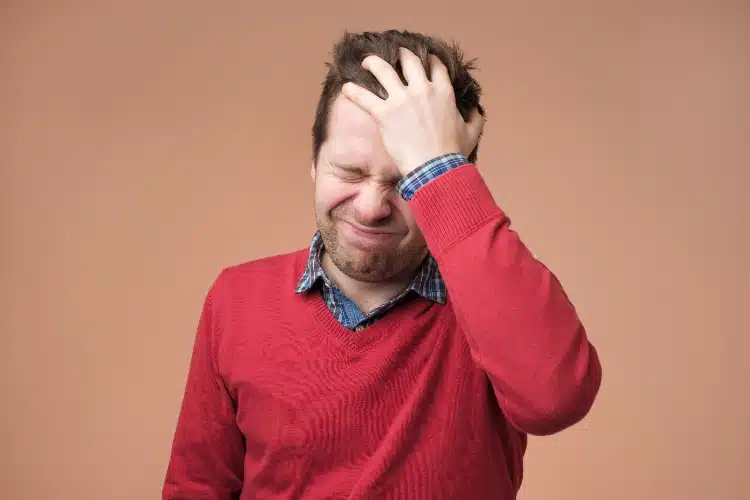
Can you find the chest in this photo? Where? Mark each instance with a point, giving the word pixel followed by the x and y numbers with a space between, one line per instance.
pixel 308 405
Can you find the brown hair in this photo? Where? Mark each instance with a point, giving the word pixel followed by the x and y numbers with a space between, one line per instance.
pixel 352 48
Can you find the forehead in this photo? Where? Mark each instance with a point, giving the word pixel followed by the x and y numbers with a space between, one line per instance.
pixel 354 136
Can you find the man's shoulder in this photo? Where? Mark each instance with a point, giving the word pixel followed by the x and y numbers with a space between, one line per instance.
pixel 272 271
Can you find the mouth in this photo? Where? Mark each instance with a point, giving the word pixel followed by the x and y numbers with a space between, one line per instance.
pixel 370 234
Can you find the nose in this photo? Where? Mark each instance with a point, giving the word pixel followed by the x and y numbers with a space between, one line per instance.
pixel 373 203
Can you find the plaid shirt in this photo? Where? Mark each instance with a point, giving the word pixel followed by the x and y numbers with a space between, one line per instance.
pixel 428 282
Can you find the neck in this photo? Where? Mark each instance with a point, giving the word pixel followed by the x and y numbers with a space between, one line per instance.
pixel 367 295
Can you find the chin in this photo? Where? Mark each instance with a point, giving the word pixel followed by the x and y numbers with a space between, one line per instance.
pixel 365 273
pixel 374 265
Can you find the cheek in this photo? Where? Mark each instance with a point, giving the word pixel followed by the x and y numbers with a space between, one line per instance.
pixel 329 195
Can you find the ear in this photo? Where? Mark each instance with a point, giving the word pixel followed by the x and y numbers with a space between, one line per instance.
pixel 312 171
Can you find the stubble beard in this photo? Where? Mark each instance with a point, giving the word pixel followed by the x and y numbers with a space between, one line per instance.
pixel 366 265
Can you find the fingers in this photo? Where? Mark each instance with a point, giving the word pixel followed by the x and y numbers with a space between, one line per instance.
pixel 363 98
pixel 384 72
pixel 413 70
pixel 439 73
pixel 412 67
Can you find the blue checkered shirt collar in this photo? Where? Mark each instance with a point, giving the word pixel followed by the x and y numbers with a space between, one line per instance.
pixel 428 282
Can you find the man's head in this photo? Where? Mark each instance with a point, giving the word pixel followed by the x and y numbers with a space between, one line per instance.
pixel 368 230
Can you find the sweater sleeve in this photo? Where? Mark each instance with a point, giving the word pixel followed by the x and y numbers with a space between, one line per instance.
pixel 207 453
pixel 521 328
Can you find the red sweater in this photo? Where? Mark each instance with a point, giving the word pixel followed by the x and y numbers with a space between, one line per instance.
pixel 431 401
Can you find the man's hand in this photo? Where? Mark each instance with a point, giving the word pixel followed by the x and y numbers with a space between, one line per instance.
pixel 418 121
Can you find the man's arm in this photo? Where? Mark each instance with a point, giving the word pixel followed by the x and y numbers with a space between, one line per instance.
pixel 208 449
pixel 521 327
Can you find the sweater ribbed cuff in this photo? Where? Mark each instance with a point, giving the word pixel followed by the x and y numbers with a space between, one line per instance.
pixel 452 206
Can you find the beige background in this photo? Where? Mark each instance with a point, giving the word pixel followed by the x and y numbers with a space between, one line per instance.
pixel 145 145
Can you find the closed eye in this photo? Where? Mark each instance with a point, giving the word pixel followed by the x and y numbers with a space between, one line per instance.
pixel 349 172
pixel 353 173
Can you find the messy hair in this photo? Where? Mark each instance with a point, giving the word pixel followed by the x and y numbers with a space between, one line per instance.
pixel 346 66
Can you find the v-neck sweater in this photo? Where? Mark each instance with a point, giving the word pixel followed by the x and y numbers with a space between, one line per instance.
pixel 431 401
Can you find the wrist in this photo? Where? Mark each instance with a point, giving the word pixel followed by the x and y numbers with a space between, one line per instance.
pixel 428 172
pixel 418 161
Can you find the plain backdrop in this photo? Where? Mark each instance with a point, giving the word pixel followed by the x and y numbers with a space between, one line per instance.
pixel 145 145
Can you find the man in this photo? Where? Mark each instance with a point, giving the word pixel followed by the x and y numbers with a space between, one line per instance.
pixel 410 350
